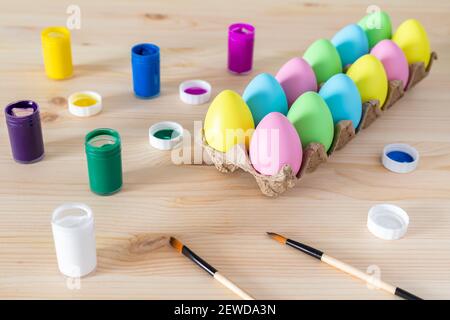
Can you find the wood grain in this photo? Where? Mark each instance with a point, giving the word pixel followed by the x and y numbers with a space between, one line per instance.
pixel 223 217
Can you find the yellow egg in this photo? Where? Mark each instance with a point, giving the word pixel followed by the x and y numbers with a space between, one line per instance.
pixel 228 122
pixel 412 38
pixel 369 76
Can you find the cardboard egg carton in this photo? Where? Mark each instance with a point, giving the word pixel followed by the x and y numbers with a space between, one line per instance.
pixel 314 154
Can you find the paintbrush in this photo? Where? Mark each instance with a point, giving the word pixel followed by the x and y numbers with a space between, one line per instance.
pixel 181 248
pixel 377 283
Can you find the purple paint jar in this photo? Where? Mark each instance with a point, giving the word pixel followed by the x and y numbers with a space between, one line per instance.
pixel 241 39
pixel 25 132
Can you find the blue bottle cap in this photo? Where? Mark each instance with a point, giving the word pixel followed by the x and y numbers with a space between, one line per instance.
pixel 400 158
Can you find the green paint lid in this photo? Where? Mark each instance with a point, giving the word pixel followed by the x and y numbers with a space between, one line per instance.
pixel 165 135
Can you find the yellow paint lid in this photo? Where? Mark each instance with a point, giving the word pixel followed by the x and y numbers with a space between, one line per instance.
pixel 85 103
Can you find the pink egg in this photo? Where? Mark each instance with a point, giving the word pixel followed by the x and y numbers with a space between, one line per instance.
pixel 393 60
pixel 296 77
pixel 275 143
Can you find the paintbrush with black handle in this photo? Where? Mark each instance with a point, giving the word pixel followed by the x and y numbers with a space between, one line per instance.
pixel 377 283
pixel 181 248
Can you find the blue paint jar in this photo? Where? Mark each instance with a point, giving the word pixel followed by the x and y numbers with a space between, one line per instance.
pixel 145 66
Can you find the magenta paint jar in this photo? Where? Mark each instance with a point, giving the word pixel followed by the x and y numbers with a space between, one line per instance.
pixel 241 39
pixel 25 132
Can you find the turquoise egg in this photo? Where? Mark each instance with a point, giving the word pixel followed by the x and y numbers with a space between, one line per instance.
pixel 342 98
pixel 264 95
pixel 351 42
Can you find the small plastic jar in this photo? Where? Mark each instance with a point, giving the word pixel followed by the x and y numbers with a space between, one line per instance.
pixel 241 39
pixel 74 238
pixel 25 132
pixel 104 161
pixel 57 52
pixel 146 70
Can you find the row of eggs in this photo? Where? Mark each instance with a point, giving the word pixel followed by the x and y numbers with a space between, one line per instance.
pixel 287 110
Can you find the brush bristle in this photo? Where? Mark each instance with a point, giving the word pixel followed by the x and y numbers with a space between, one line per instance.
pixel 176 244
pixel 277 237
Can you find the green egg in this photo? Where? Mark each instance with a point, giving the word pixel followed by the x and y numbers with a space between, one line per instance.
pixel 377 26
pixel 323 57
pixel 312 119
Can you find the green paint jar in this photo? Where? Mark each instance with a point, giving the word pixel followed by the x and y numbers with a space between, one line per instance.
pixel 104 161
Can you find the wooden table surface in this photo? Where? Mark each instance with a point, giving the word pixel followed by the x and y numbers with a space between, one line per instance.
pixel 223 217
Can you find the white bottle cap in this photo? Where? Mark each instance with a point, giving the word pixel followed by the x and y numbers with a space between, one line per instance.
pixel 387 221
pixel 74 237
pixel 400 158
pixel 195 92
pixel 81 103
pixel 167 142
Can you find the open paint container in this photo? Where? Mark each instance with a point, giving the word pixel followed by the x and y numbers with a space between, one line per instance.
pixel 85 103
pixel 145 63
pixel 400 158
pixel 195 92
pixel 57 52
pixel 241 39
pixel 103 153
pixel 74 237
pixel 165 135
pixel 25 133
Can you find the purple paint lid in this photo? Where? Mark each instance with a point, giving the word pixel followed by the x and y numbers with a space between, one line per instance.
pixel 25 132
pixel 195 92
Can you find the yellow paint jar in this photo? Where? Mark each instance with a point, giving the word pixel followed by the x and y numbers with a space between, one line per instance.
pixel 57 52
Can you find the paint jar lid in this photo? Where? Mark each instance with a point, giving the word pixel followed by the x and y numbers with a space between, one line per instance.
pixel 387 221
pixel 85 103
pixel 165 135
pixel 195 92
pixel 400 158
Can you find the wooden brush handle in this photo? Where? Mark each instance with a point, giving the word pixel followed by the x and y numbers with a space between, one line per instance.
pixel 377 283
pixel 230 285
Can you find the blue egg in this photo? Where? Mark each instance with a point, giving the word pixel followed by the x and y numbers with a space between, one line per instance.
pixel 351 42
pixel 343 99
pixel 264 95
